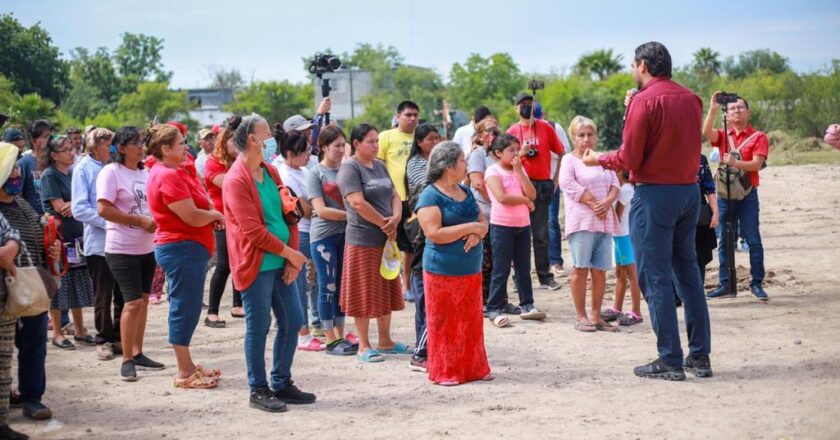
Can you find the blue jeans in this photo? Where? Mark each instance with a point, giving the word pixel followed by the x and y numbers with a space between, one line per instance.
pixel 510 244
pixel 308 292
pixel 555 234
pixel 663 222
pixel 268 292
pixel 31 342
pixel 185 264
pixel 745 214
pixel 419 313
pixel 328 256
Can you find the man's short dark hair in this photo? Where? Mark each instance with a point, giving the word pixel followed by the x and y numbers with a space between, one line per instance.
pixel 746 104
pixel 656 56
pixel 481 112
pixel 407 104
pixel 39 127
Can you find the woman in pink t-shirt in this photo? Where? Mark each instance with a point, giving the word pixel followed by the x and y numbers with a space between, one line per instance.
pixel 129 244
pixel 511 202
pixel 588 195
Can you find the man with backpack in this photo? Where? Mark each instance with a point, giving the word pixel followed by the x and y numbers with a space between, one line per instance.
pixel 744 150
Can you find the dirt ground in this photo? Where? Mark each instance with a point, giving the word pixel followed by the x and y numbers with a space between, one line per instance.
pixel 776 367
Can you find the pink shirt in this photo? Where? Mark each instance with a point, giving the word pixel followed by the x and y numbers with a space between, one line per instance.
pixel 577 178
pixel 515 216
pixel 126 190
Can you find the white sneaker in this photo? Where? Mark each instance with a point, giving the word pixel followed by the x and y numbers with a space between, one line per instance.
pixel 532 314
pixel 105 352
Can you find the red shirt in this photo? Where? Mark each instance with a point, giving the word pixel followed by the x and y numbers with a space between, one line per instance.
pixel 248 238
pixel 166 186
pixel 759 145
pixel 545 140
pixel 212 168
pixel 662 136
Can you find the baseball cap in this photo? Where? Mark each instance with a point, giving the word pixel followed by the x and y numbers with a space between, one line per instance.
pixel 522 96
pixel 390 267
pixel 296 122
pixel 203 133
pixel 12 134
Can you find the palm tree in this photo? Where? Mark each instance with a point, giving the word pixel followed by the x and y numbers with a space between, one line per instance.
pixel 707 60
pixel 602 63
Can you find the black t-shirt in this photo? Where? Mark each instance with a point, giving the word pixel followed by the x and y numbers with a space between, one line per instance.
pixel 56 185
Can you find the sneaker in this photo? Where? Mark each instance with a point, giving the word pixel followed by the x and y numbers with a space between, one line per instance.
pixel 317 332
pixel 721 292
pixel 532 313
pixel 292 395
pixel 8 433
pixel 128 372
pixel 308 343
pixel 144 363
pixel 744 246
pixel 265 400
pixel 660 370
pixel 551 285
pixel 700 366
pixel 418 364
pixel 408 297
pixel 36 411
pixel 118 349
pixel 758 292
pixel 105 352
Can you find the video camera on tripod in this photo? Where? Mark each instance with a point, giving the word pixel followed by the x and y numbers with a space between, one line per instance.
pixel 321 64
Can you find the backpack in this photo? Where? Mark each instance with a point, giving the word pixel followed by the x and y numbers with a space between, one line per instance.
pixel 740 184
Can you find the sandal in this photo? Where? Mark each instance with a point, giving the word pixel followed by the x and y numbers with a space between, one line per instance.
pixel 65 344
pixel 196 381
pixel 585 326
pixel 629 318
pixel 219 323
pixel 606 327
pixel 398 348
pixel 154 300
pixel 211 373
pixel 371 356
pixel 511 309
pixel 85 340
pixel 488 377
pixel 352 339
pixel 340 347
pixel 611 314
pixel 237 315
pixel 501 321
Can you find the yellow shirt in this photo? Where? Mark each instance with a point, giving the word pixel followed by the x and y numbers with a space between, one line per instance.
pixel 394 147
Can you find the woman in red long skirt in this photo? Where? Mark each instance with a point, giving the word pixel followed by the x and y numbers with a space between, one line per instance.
pixel 454 228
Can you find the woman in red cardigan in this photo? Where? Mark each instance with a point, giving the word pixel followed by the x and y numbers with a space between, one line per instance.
pixel 265 262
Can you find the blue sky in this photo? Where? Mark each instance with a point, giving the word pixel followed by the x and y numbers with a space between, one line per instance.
pixel 266 39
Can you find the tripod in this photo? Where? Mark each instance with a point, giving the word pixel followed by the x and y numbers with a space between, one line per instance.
pixel 729 226
pixel 325 92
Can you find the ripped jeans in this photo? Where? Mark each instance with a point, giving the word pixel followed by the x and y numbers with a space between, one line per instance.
pixel 328 255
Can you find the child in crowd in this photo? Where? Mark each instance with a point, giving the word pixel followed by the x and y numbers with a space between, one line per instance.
pixel 625 262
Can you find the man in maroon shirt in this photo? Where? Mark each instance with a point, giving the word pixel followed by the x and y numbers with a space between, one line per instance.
pixel 661 148
pixel 537 140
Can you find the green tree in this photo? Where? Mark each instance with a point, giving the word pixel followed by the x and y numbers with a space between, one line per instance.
pixel 752 61
pixel 707 62
pixel 491 81
pixel 152 100
pixel 274 100
pixel 30 61
pixel 226 79
pixel 601 64
pixel 31 107
pixel 96 73
pixel 139 58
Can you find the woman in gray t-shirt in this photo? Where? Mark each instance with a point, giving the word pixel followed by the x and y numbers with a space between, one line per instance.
pixel 373 211
pixel 477 163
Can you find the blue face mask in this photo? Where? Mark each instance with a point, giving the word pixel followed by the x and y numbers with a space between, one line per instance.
pixel 269 148
pixel 14 186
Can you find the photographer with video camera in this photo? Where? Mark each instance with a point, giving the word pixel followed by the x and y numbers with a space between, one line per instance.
pixel 538 140
pixel 744 151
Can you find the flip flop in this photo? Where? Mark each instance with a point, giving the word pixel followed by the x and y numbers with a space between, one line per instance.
pixel 341 347
pixel 65 344
pixel 371 356
pixel 606 327
pixel 399 348
pixel 511 309
pixel 501 321
pixel 585 326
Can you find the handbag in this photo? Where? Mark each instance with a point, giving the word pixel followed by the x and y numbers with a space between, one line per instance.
pixel 51 234
pixel 739 184
pixel 26 292
pixel 292 208
pixel 705 217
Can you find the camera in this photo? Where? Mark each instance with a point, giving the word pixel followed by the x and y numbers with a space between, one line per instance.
pixel 323 63
pixel 532 153
pixel 536 84
pixel 724 98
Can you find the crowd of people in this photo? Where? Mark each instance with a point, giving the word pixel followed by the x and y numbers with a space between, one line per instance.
pixel 305 219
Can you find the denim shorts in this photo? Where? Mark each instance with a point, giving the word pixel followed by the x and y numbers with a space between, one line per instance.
pixel 591 250
pixel 623 251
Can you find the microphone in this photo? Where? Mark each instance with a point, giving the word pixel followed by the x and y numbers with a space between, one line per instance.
pixel 633 93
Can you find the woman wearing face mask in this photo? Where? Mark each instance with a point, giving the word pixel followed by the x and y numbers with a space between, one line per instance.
pixel 76 290
pixel 294 147
pixel 373 211
pixel 215 170
pixel 183 243
pixel 265 263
